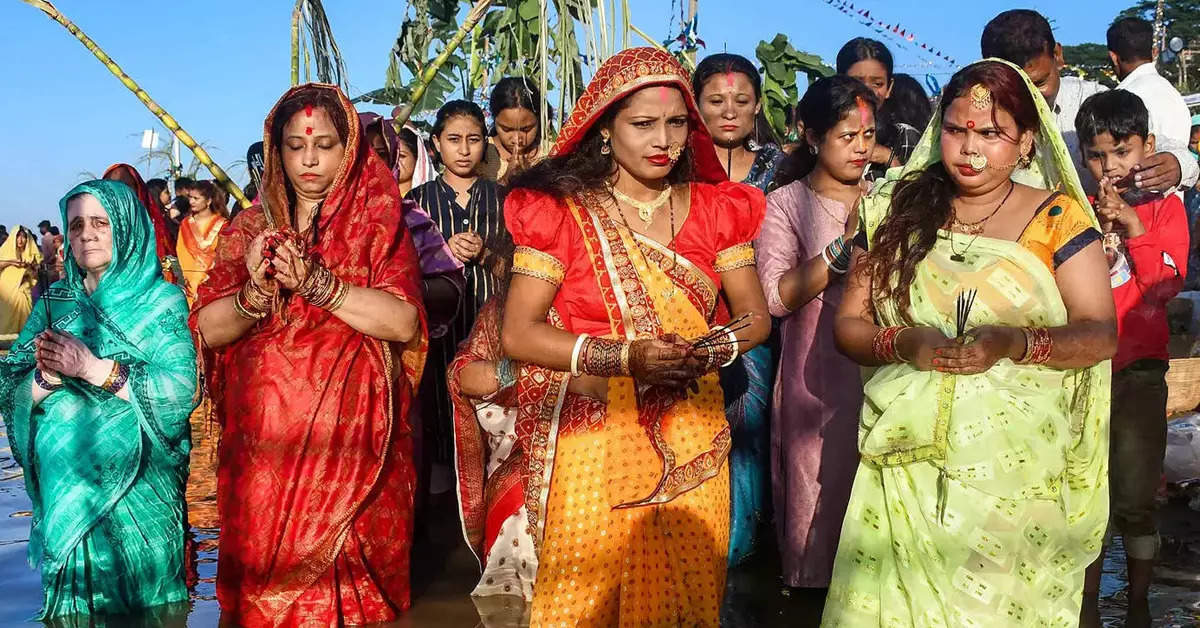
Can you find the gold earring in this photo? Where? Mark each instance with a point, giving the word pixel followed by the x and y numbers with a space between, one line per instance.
pixel 606 145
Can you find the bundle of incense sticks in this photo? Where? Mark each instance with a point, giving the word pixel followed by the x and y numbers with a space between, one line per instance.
pixel 44 282
pixel 966 300
pixel 719 335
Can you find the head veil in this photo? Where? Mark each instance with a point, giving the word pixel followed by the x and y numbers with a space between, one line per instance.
pixel 128 175
pixel 625 73
pixel 1051 169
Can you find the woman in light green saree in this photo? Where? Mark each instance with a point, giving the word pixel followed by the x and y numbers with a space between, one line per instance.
pixel 981 495
pixel 96 406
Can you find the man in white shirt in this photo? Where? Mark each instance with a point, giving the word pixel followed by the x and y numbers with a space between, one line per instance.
pixel 1024 37
pixel 1130 47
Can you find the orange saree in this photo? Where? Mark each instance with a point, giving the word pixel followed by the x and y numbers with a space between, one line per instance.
pixel 197 250
pixel 628 499
pixel 315 470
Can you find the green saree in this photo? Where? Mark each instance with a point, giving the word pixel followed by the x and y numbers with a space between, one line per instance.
pixel 106 476
pixel 979 500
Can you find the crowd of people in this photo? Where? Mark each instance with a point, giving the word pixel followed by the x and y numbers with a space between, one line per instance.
pixel 629 363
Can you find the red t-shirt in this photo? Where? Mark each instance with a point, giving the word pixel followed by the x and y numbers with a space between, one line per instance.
pixel 1157 267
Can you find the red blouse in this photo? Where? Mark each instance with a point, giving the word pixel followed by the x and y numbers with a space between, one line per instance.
pixel 723 217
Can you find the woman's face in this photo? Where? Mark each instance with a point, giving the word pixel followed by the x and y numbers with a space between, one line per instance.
pixel 516 129
pixel 728 106
pixel 312 152
pixel 164 197
pixel 872 74
pixel 406 162
pixel 22 240
pixel 461 145
pixel 967 131
pixel 653 121
pixel 90 233
pixel 845 150
pixel 379 145
pixel 198 201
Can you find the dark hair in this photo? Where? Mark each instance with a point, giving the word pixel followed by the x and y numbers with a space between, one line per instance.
pixel 214 196
pixel 1017 36
pixel 1132 38
pixel 585 168
pixel 183 183
pixel 455 108
pixel 861 49
pixel 54 230
pixel 409 138
pixel 826 103
pixel 156 188
pixel 515 92
pixel 722 63
pixel 44 223
pixel 921 201
pixel 1118 112
pixel 315 97
pixel 908 104
pixel 451 110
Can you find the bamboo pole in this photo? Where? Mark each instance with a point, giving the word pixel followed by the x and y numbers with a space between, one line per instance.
pixel 544 60
pixel 201 155
pixel 296 43
pixel 625 23
pixel 650 40
pixel 473 17
pixel 605 50
pixel 690 53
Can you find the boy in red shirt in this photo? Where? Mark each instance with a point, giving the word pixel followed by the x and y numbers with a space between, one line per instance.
pixel 1146 239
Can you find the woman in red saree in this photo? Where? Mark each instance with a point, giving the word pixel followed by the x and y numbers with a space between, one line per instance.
pixel 313 367
pixel 631 245
pixel 163 244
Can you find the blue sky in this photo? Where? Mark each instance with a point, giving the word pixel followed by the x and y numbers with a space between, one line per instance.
pixel 218 66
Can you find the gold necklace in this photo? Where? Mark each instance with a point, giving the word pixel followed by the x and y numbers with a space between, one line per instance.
pixel 645 209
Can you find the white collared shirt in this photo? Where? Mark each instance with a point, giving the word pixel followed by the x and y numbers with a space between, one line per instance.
pixel 1170 120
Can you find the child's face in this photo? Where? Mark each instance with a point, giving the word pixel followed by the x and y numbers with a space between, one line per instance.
pixel 1107 157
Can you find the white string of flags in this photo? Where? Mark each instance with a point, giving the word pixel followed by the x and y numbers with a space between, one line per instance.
pixel 894 32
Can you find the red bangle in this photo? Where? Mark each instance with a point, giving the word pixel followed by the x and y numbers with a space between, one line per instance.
pixel 884 345
pixel 1038 345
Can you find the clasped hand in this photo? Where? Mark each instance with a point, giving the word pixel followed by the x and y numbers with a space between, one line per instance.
pixel 668 361
pixel 58 354
pixel 285 265
pixel 928 349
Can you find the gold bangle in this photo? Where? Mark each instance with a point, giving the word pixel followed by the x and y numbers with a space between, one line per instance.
pixel 112 376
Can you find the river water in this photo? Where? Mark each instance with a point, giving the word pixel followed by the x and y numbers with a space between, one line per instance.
pixel 440 595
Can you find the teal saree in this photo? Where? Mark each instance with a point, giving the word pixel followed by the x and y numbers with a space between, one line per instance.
pixel 106 476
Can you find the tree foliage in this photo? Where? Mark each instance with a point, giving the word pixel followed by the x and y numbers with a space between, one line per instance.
pixel 780 64
pixel 1089 61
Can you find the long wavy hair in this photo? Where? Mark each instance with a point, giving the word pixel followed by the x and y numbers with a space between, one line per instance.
pixel 921 202
pixel 585 169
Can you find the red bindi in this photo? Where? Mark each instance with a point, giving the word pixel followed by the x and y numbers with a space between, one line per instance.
pixel 308 110
pixel 729 79
pixel 863 111
pixel 970 124
pixel 308 130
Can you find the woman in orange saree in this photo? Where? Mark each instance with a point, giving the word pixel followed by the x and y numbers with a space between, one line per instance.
pixel 312 367
pixel 630 246
pixel 199 234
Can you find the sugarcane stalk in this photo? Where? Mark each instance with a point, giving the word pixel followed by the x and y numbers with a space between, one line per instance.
pixel 650 40
pixel 296 43
pixel 625 22
pixel 473 17
pixel 168 121
pixel 544 59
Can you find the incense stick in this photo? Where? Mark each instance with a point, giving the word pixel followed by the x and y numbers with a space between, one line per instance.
pixel 965 302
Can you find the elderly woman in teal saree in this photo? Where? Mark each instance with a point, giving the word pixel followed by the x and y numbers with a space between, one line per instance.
pixel 96 405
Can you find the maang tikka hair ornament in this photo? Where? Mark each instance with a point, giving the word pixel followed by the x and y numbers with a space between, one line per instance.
pixel 981 97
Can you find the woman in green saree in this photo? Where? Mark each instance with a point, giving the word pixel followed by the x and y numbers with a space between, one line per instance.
pixel 981 495
pixel 96 405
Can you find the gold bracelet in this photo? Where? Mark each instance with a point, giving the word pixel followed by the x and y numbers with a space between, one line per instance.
pixel 112 376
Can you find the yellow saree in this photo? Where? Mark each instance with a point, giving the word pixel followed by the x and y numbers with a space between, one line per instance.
pixel 17 280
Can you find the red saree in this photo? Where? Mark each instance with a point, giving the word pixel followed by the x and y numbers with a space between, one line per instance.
pixel 128 175
pixel 315 467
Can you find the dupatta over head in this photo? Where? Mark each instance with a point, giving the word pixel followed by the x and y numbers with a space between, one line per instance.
pixel 1004 473
pixel 315 413
pixel 140 446
pixel 129 175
